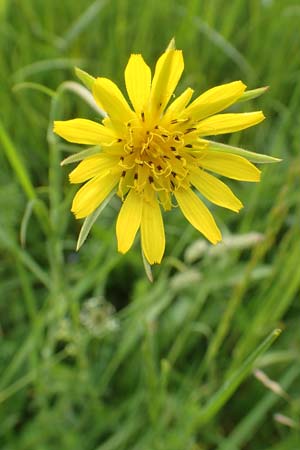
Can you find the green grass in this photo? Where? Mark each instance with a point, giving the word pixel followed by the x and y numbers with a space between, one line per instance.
pixel 93 356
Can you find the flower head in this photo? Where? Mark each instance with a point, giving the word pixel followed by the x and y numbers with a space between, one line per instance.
pixel 155 153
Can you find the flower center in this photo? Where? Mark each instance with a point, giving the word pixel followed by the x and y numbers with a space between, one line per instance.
pixel 155 157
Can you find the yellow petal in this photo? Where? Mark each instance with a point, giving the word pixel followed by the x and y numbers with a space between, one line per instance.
pixel 138 82
pixel 92 194
pixel 83 131
pixel 229 165
pixel 111 100
pixel 152 232
pixel 129 220
pixel 178 105
pixel 115 126
pixel 198 215
pixel 228 123
pixel 168 71
pixel 215 190
pixel 92 166
pixel 215 100
pixel 180 102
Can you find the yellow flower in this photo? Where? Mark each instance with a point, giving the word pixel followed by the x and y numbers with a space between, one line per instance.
pixel 155 155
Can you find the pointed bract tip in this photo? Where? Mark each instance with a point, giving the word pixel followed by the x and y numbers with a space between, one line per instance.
pixel 147 267
pixel 171 45
pixel 252 94
pixel 87 79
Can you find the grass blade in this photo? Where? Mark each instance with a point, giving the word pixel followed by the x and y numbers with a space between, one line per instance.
pixel 23 177
pixel 230 385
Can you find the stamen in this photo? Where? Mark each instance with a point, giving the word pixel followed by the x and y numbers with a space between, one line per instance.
pixel 151 180
pixel 149 164
pixel 189 130
pixel 143 116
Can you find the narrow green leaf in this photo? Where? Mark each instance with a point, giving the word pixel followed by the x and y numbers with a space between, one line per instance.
pixel 251 156
pixel 45 65
pixel 20 383
pixel 82 22
pixel 75 157
pixel 16 163
pixel 230 385
pixel 35 86
pixel 81 91
pixel 90 220
pixel 22 176
pixel 252 420
pixel 253 93
pixel 25 220
pixel 85 77
pixel 8 242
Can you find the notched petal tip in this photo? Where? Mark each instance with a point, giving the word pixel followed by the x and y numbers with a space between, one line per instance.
pixel 241 84
pixel 153 261
pixel 56 126
pixel 262 115
pixel 238 209
pixel 135 55
pixel 71 178
pixel 122 250
pixel 256 177
pixel 77 214
pixel 217 239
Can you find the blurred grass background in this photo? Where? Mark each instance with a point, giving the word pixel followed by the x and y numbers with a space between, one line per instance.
pixel 94 357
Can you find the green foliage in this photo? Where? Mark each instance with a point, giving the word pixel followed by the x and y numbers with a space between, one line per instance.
pixel 93 356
